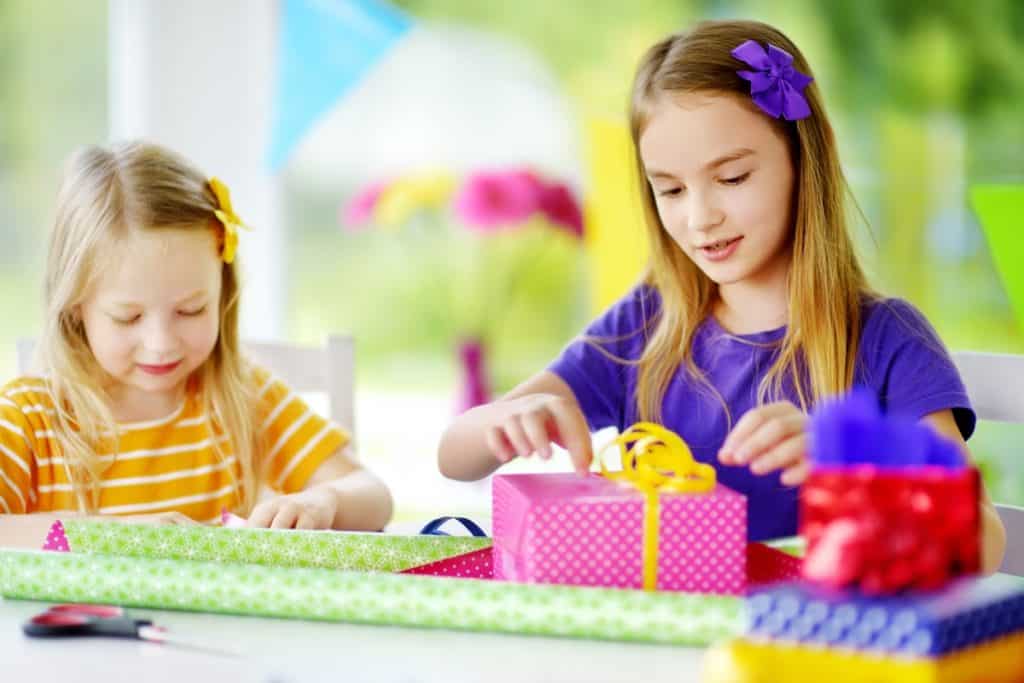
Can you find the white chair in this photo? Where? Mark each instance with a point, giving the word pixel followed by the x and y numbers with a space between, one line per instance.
pixel 995 383
pixel 328 369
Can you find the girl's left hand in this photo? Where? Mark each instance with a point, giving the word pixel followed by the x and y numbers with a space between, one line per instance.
pixel 771 437
pixel 314 508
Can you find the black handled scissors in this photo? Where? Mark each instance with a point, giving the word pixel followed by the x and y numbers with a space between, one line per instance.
pixel 62 621
pixel 87 620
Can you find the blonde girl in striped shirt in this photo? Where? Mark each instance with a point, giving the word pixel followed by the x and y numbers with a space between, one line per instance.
pixel 146 407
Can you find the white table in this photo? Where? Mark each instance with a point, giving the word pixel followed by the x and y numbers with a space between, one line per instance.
pixel 289 651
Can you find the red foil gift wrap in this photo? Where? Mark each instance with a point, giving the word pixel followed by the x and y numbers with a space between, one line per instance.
pixel 884 530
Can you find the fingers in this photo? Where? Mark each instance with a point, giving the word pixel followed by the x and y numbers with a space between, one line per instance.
pixel 516 435
pixel 770 438
pixel 743 428
pixel 747 425
pixel 308 521
pixel 262 515
pixel 788 453
pixel 574 433
pixel 535 429
pixel 498 444
pixel 170 518
pixel 286 517
pixel 797 474
pixel 759 430
pixel 286 512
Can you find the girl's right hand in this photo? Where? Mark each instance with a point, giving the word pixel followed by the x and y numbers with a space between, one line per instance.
pixel 172 518
pixel 540 411
pixel 531 423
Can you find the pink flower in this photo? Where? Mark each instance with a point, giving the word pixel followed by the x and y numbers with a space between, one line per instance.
pixel 560 206
pixel 492 200
pixel 358 211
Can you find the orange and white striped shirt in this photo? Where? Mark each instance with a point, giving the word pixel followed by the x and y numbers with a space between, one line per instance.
pixel 161 465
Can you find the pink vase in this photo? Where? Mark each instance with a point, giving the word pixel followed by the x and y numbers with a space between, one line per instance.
pixel 475 389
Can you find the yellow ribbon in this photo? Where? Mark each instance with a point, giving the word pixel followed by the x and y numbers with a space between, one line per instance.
pixel 228 218
pixel 655 460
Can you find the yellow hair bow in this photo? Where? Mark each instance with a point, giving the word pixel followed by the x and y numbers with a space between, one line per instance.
pixel 656 460
pixel 228 218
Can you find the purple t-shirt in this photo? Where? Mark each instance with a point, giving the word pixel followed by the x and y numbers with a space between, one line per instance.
pixel 900 358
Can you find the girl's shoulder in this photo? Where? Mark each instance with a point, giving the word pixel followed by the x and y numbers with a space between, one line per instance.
pixel 263 383
pixel 260 376
pixel 894 328
pixel 257 374
pixel 893 318
pixel 27 391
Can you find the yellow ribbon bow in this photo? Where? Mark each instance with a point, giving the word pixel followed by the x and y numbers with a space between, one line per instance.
pixel 656 460
pixel 228 218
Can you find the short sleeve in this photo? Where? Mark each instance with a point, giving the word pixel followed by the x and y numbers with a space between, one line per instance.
pixel 597 364
pixel 297 440
pixel 17 446
pixel 909 367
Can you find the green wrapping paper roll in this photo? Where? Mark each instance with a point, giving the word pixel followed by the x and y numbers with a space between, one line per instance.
pixel 324 549
pixel 372 598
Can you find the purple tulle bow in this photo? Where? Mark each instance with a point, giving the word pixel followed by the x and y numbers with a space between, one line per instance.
pixel 852 430
pixel 777 88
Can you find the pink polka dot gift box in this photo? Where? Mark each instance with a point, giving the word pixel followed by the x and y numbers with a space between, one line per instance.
pixel 590 531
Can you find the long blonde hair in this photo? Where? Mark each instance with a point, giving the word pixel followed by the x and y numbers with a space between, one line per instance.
pixel 826 284
pixel 105 193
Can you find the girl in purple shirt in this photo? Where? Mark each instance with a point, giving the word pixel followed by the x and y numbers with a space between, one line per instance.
pixel 753 307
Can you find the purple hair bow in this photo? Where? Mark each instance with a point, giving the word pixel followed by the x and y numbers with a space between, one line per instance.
pixel 777 88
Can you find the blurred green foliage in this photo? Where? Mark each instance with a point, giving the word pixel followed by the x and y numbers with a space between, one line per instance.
pixel 947 55
pixel 53 97
pixel 415 284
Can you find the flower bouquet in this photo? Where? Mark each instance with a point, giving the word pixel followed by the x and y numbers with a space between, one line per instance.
pixel 495 228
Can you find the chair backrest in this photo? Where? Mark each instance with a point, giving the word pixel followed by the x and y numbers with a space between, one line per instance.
pixel 995 383
pixel 327 369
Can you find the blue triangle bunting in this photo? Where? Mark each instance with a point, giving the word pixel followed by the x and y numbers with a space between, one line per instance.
pixel 325 48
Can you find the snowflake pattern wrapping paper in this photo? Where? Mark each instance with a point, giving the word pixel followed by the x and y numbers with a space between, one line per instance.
pixel 371 597
pixel 322 549
pixel 566 529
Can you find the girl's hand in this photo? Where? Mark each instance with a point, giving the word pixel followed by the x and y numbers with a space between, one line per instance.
pixel 771 437
pixel 157 519
pixel 314 508
pixel 536 421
